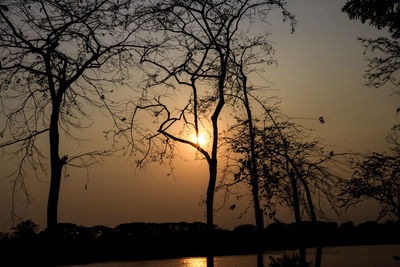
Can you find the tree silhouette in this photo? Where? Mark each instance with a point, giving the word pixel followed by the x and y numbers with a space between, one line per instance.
pixel 56 58
pixel 384 66
pixel 245 56
pixel 376 176
pixel 200 40
pixel 380 14
pixel 295 171
pixel 294 168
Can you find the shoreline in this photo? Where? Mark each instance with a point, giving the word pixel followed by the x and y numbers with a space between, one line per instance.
pixel 149 241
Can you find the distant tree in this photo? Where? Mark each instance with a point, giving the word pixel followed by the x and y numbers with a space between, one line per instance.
pixel 200 42
pixel 376 176
pixel 56 58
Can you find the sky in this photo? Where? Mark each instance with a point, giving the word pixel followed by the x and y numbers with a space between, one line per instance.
pixel 319 73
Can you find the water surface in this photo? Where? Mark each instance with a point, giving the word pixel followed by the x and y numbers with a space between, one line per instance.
pixel 354 256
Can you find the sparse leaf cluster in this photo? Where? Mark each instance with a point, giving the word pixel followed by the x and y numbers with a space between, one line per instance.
pixel 294 170
pixel 376 176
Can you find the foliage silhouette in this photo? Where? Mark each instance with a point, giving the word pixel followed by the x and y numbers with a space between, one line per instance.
pixel 376 176
pixel 380 14
pixel 25 230
pixel 384 67
pixel 293 167
pixel 57 57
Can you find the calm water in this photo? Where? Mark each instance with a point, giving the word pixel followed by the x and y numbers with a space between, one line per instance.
pixel 357 256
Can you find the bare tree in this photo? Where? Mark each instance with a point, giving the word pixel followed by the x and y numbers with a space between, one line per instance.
pixel 247 54
pixel 243 59
pixel 288 159
pixel 56 58
pixel 200 39
pixel 294 170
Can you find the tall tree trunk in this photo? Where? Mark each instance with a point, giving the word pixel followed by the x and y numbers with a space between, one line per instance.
pixel 252 166
pixel 56 169
pixel 213 159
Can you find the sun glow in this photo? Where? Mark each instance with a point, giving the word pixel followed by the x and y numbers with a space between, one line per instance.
pixel 201 141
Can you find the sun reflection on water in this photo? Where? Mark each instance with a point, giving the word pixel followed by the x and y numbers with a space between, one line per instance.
pixel 193 262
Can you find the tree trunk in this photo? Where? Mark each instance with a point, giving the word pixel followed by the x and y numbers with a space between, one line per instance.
pixel 255 193
pixel 295 196
pixel 52 203
pixel 210 193
pixel 56 169
pixel 257 209
pixel 318 254
pixel 309 199
pixel 259 216
pixel 212 163
pixel 296 208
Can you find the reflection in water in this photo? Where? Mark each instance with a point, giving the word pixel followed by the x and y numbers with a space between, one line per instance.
pixel 193 262
pixel 210 261
pixel 260 259
pixel 355 256
pixel 318 256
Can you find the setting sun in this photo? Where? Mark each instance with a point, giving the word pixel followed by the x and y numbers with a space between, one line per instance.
pixel 202 140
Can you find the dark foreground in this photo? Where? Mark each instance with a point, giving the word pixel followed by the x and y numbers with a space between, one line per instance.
pixel 136 241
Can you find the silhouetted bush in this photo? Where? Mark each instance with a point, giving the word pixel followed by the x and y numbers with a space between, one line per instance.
pixel 245 228
pixel 287 261
pixel 25 230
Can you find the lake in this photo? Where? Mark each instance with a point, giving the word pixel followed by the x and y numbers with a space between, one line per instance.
pixel 354 256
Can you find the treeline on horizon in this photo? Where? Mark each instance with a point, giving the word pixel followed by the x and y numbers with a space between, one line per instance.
pixel 138 240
